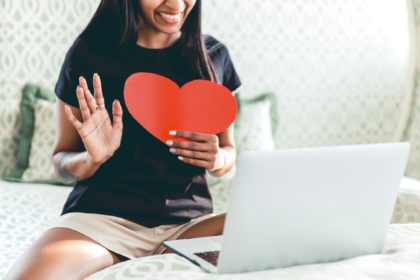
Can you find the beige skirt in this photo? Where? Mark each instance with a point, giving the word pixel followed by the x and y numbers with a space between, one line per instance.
pixel 122 236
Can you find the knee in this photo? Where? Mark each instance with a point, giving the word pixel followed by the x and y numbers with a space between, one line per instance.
pixel 44 266
pixel 60 254
pixel 52 270
pixel 32 271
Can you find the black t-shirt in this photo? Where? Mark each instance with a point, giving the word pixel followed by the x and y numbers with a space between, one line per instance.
pixel 142 182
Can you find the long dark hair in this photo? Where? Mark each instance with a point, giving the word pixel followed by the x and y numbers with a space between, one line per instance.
pixel 115 25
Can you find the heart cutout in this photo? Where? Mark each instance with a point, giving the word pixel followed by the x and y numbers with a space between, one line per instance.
pixel 159 105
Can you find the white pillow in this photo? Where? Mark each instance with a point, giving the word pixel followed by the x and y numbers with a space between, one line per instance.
pixel 254 128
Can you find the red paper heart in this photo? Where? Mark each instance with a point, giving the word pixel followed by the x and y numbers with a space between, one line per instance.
pixel 159 105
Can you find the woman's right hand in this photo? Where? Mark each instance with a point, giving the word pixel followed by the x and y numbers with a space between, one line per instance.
pixel 100 136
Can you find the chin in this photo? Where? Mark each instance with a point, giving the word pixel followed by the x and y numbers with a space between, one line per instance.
pixel 169 31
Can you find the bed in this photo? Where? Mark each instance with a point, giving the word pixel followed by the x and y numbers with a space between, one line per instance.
pixel 400 259
pixel 352 79
pixel 26 210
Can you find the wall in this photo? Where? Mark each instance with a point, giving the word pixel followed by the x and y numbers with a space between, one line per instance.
pixel 342 70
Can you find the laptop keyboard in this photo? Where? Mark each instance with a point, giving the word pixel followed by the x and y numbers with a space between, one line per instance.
pixel 211 256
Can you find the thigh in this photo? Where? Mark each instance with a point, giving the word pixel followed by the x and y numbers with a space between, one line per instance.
pixel 208 227
pixel 62 253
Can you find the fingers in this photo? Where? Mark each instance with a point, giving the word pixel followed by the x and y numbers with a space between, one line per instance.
pixel 70 116
pixel 197 162
pixel 200 137
pixel 88 95
pixel 193 154
pixel 117 113
pixel 97 89
pixel 189 145
pixel 83 83
pixel 82 103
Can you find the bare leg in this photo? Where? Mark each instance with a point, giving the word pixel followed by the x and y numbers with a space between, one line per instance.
pixel 62 253
pixel 209 227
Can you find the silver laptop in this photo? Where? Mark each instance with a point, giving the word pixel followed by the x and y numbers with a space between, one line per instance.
pixel 301 206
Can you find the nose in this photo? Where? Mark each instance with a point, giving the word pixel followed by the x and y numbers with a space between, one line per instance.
pixel 175 6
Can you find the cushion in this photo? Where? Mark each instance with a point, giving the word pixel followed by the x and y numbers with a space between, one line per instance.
pixel 412 133
pixel 34 158
pixel 256 122
pixel 41 167
pixel 407 206
pixel 9 128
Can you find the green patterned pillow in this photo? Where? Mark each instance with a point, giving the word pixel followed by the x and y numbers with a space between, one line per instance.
pixel 41 168
pixel 36 137
pixel 9 128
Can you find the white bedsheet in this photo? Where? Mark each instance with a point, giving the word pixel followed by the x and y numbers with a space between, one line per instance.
pixel 400 260
pixel 26 210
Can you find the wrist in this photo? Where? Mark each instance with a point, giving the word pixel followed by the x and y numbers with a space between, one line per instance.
pixel 91 162
pixel 221 161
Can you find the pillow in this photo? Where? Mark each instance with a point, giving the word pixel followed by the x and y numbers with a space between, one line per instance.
pixel 34 160
pixel 9 129
pixel 256 123
pixel 254 127
pixel 41 167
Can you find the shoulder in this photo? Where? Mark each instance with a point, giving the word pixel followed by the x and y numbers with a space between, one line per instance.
pixel 219 55
pixel 77 62
pixel 214 46
pixel 80 53
pixel 77 49
pixel 217 51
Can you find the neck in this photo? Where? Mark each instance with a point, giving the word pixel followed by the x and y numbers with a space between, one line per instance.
pixel 151 38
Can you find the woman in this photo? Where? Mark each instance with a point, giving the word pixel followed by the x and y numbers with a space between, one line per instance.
pixel 132 191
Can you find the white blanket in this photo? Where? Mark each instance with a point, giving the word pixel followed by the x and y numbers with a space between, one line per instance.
pixel 400 260
pixel 26 210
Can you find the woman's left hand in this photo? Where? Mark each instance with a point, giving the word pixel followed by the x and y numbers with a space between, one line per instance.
pixel 203 150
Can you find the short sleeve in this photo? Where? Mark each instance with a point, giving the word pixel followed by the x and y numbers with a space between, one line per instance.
pixel 222 62
pixel 68 78
pixel 231 79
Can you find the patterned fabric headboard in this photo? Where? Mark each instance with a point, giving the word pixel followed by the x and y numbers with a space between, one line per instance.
pixel 342 70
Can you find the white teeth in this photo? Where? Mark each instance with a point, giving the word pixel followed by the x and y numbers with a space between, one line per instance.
pixel 171 17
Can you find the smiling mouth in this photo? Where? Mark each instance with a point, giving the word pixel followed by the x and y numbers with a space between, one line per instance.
pixel 171 18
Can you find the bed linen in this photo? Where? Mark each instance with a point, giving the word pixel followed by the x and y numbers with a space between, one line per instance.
pixel 26 210
pixel 400 260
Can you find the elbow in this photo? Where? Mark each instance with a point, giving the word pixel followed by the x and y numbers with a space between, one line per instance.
pixel 55 164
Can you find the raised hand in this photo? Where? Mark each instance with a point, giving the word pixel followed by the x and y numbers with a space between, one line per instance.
pixel 100 136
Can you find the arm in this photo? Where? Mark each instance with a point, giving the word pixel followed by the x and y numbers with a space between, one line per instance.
pixel 70 163
pixel 91 127
pixel 226 151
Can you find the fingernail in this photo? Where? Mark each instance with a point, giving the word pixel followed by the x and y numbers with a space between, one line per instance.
pixel 181 158
pixel 172 150
pixel 172 132
pixel 170 142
